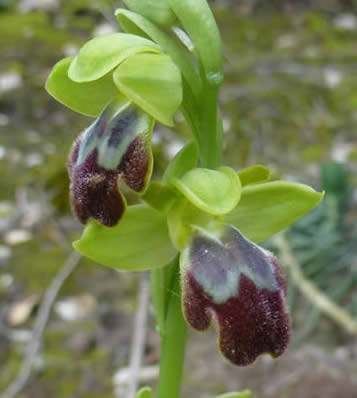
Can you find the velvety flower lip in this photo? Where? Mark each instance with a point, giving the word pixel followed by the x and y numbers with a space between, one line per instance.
pixel 241 285
pixel 109 150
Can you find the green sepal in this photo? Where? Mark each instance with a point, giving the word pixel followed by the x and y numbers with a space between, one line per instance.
pixel 103 53
pixel 185 160
pixel 110 155
pixel 157 11
pixel 88 98
pixel 198 21
pixel 266 209
pixel 159 196
pixel 242 394
pixel 216 192
pixel 138 25
pixel 153 82
pixel 254 175
pixel 146 392
pixel 140 241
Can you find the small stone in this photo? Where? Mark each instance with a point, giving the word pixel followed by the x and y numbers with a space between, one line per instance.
pixel 333 77
pixel 76 308
pixel 21 310
pixel 346 22
pixel 17 236
pixel 10 81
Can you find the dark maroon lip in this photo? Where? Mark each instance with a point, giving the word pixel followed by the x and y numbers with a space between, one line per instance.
pixel 94 190
pixel 252 318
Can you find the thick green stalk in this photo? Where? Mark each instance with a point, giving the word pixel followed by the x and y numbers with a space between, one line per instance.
pixel 173 342
pixel 161 283
pixel 211 150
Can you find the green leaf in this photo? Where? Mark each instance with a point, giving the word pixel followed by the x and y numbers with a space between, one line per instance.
pixel 254 175
pixel 137 24
pixel 185 160
pixel 103 53
pixel 266 209
pixel 140 241
pixel 145 392
pixel 242 394
pixel 87 98
pixel 215 192
pixel 159 196
pixel 158 11
pixel 153 82
pixel 198 21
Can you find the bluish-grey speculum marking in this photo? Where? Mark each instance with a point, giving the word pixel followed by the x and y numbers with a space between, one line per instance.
pixel 111 136
pixel 122 127
pixel 90 139
pixel 119 134
pixel 217 265
pixel 115 147
pixel 227 276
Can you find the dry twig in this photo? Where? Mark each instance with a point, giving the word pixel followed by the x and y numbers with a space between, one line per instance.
pixel 139 338
pixel 311 292
pixel 41 321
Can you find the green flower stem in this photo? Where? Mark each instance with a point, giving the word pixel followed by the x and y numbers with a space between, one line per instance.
pixel 173 342
pixel 161 283
pixel 210 128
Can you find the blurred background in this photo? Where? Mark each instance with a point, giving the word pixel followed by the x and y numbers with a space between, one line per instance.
pixel 289 102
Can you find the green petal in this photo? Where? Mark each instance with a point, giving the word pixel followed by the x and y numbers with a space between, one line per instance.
pixel 215 192
pixel 146 392
pixel 103 53
pixel 254 175
pixel 137 24
pixel 243 394
pixel 87 98
pixel 153 82
pixel 266 209
pixel 140 241
pixel 198 21
pixel 158 11
pixel 185 160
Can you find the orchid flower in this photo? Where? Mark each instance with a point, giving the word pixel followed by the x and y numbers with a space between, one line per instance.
pixel 198 228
